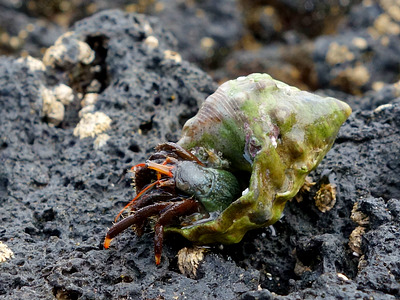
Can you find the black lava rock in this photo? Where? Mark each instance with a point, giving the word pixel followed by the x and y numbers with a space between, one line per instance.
pixel 60 189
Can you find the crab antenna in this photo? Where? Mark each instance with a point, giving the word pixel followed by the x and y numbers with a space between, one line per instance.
pixel 138 165
pixel 137 196
pixel 163 169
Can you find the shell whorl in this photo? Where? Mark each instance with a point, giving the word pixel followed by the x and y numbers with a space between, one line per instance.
pixel 219 107
pixel 222 123
pixel 225 105
pixel 250 113
pixel 227 100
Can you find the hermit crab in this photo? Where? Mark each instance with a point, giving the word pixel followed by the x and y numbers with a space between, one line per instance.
pixel 239 160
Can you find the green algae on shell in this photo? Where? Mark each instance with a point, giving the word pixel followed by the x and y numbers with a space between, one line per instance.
pixel 269 129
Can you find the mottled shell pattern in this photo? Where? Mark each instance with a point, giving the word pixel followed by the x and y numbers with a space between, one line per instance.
pixel 261 126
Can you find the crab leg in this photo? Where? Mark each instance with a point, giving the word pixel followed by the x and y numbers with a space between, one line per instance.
pixel 138 195
pixel 138 217
pixel 152 198
pixel 186 206
pixel 181 152
pixel 147 200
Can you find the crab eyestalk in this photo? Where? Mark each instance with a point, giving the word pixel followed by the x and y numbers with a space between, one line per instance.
pixel 214 188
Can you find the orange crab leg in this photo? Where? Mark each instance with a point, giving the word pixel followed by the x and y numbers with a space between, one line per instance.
pixel 137 196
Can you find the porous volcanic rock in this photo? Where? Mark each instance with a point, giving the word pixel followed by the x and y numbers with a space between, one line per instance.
pixel 60 191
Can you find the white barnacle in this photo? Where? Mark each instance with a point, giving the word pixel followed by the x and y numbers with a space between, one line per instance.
pixel 5 252
pixel 101 140
pixel 64 94
pixel 172 55
pixel 33 64
pixel 52 109
pixel 89 99
pixel 152 42
pixel 92 124
pixel 68 50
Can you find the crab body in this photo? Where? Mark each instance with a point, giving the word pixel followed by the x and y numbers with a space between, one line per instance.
pixel 245 154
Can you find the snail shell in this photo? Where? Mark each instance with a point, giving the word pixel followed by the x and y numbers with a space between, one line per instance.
pixel 265 127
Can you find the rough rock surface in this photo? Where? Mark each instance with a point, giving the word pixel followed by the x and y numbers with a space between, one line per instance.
pixel 60 193
pixel 351 46
pixel 205 32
